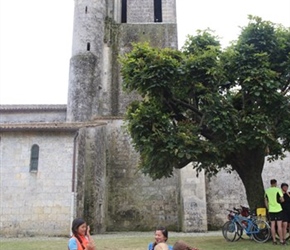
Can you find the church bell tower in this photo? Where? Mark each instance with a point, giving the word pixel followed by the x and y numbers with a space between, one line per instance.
pixel 103 30
pixel 106 161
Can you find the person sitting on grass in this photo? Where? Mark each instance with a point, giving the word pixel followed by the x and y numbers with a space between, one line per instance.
pixel 161 236
pixel 81 238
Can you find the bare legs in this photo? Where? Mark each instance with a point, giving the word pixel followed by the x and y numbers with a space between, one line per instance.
pixel 284 230
pixel 279 230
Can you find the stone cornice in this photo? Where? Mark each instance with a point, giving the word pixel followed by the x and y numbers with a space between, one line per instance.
pixel 48 126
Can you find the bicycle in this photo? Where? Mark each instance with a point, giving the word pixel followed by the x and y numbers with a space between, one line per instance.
pixel 244 211
pixel 256 229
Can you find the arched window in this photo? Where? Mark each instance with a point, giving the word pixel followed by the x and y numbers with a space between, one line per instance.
pixel 34 158
pixel 157 11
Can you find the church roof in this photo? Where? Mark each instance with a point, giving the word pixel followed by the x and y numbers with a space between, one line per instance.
pixel 73 126
pixel 32 107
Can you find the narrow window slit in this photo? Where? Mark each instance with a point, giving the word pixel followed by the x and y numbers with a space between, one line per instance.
pixel 157 11
pixel 88 46
pixel 34 157
pixel 124 11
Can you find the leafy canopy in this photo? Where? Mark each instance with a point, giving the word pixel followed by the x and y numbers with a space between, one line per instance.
pixel 205 104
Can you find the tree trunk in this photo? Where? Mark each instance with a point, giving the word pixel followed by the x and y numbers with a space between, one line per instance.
pixel 249 165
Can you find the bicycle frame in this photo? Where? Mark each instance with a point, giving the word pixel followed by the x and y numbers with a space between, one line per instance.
pixel 256 229
pixel 245 223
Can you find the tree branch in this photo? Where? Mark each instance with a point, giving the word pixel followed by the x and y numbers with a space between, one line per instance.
pixel 192 108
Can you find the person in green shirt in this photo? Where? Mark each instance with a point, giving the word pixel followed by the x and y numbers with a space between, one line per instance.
pixel 273 198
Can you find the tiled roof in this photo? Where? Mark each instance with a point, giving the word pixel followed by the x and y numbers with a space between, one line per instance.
pixel 29 108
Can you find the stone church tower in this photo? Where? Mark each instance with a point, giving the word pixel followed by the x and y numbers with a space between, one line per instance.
pixel 110 190
pixel 113 194
pixel 103 30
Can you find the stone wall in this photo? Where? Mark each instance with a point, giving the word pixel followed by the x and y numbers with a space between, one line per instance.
pixel 193 200
pixel 140 11
pixel 86 66
pixel 35 203
pixel 169 11
pixel 135 202
pixel 143 11
pixel 161 35
pixel 110 191
pixel 91 199
pixel 83 90
pixel 89 18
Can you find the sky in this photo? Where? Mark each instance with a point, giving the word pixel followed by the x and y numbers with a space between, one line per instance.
pixel 36 40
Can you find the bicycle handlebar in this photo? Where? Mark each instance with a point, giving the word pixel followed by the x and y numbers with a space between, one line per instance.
pixel 233 211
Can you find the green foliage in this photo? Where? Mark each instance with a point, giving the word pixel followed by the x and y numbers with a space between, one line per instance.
pixel 210 106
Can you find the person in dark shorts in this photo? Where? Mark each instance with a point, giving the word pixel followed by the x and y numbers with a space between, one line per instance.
pixel 286 210
pixel 273 198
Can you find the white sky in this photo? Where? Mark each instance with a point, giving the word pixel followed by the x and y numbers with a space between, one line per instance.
pixel 36 39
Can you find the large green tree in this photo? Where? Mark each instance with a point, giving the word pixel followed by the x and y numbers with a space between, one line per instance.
pixel 218 108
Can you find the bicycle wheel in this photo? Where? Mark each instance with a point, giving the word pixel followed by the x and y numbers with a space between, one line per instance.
pixel 261 231
pixel 229 230
pixel 239 233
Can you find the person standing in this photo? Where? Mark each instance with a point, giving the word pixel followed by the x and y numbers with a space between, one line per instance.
pixel 81 238
pixel 273 198
pixel 161 236
pixel 286 210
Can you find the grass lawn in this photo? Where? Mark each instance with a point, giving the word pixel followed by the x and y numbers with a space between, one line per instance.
pixel 134 242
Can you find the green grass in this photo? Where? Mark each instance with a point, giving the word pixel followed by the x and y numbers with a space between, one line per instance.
pixel 133 242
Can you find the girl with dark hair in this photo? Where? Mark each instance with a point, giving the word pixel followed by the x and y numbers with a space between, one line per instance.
pixel 81 238
pixel 161 236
